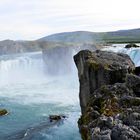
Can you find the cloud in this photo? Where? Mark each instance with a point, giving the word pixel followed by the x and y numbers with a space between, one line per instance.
pixel 32 19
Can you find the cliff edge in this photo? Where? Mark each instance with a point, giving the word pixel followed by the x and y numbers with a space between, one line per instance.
pixel 109 96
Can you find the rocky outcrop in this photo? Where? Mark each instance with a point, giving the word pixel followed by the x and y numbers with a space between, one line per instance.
pixel 109 96
pixel 3 112
pixel 100 68
pixel 56 117
pixel 137 70
pixel 132 45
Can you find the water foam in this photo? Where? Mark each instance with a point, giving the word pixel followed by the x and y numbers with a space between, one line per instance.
pixel 134 53
pixel 21 68
pixel 30 94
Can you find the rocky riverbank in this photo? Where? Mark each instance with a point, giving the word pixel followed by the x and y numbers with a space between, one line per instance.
pixel 109 96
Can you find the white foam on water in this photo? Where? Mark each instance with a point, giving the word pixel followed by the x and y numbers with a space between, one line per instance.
pixel 30 94
pixel 134 53
pixel 21 68
pixel 23 80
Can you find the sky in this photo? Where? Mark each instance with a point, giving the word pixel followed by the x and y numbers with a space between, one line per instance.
pixel 33 19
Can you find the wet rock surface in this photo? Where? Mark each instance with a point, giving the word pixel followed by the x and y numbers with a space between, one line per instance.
pixel 109 96
pixel 100 68
pixel 137 71
pixel 56 117
pixel 132 45
pixel 3 112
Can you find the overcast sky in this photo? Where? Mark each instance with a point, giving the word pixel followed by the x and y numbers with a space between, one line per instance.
pixel 32 19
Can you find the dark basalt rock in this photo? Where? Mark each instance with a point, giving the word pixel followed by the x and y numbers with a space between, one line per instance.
pixel 137 71
pixel 56 117
pixel 133 82
pixel 100 68
pixel 132 45
pixel 109 96
pixel 3 112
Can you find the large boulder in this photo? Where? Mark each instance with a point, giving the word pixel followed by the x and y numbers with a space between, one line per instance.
pixel 109 96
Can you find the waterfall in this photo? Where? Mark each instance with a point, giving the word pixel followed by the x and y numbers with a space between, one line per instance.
pixel 21 68
pixel 134 53
pixel 31 94
pixel 135 56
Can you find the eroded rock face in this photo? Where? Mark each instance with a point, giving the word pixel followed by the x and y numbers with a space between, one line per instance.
pixel 109 96
pixel 100 68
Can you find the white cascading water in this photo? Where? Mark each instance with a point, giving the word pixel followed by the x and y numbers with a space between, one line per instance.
pixel 135 56
pixel 134 53
pixel 30 94
pixel 21 68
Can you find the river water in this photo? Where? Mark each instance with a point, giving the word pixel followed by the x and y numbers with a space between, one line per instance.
pixel 134 53
pixel 30 94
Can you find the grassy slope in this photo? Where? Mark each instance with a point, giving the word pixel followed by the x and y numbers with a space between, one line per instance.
pixel 122 36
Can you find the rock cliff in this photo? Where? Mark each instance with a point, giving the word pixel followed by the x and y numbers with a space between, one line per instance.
pixel 109 96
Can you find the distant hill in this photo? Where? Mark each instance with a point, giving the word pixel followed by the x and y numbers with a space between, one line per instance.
pixel 78 36
pixel 67 39
pixel 14 47
pixel 120 36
